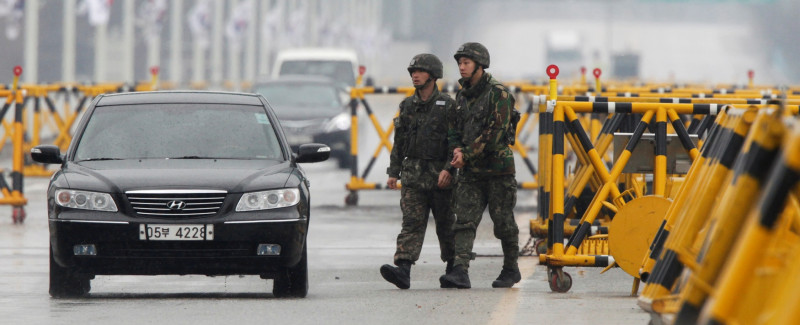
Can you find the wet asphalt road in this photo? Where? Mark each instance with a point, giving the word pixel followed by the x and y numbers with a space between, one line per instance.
pixel 347 245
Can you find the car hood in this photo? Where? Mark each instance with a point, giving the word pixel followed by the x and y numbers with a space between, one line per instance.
pixel 234 176
pixel 304 113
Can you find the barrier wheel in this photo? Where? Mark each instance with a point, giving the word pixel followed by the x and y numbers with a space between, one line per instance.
pixel 540 246
pixel 351 199
pixel 562 284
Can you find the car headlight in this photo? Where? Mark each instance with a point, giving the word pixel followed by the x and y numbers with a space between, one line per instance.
pixel 340 122
pixel 268 199
pixel 85 200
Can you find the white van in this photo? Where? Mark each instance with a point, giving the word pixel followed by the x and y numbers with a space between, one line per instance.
pixel 341 65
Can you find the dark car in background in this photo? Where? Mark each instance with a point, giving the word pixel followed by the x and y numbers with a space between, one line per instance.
pixel 179 182
pixel 311 109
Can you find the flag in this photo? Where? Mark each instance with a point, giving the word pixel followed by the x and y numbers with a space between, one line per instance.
pixel 98 11
pixel 199 20
pixel 270 24
pixel 13 11
pixel 238 23
pixel 151 16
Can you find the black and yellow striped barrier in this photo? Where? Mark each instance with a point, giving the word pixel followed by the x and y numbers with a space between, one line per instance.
pixel 660 114
pixel 13 195
pixel 758 282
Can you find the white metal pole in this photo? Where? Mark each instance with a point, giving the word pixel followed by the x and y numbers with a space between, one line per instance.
pixel 153 51
pixel 234 53
pixel 216 43
pixel 312 22
pixel 176 43
pixel 68 42
pixel 263 47
pixel 250 45
pixel 128 33
pixel 100 53
pixel 30 71
pixel 199 59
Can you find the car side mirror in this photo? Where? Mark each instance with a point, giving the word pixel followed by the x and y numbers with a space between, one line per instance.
pixel 47 154
pixel 312 152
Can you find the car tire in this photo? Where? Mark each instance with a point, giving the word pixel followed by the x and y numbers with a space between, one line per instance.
pixel 65 283
pixel 292 282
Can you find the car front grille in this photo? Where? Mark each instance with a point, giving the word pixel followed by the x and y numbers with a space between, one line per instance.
pixel 176 203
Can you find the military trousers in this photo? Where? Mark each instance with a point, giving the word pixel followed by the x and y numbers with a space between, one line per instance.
pixel 470 199
pixel 416 205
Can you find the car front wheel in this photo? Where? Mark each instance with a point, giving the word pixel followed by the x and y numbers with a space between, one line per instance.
pixel 64 283
pixel 292 282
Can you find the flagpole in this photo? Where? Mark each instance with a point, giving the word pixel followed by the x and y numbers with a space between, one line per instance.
pixel 199 59
pixel 128 31
pixel 176 43
pixel 68 42
pixel 234 50
pixel 312 22
pixel 100 53
pixel 31 45
pixel 250 44
pixel 264 46
pixel 216 43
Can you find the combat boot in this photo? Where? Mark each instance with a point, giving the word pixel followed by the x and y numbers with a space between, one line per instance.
pixel 456 278
pixel 399 275
pixel 507 278
pixel 449 266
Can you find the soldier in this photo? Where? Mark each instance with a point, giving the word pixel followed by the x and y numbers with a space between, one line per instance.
pixel 482 134
pixel 421 158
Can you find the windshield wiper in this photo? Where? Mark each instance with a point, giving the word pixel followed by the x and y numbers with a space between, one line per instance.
pixel 192 157
pixel 98 159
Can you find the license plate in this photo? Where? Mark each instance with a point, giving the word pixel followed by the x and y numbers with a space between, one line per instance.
pixel 176 232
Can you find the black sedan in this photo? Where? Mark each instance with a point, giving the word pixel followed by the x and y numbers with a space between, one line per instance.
pixel 311 109
pixel 179 182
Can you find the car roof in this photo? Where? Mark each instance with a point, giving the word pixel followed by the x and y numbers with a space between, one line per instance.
pixel 179 96
pixel 317 54
pixel 300 78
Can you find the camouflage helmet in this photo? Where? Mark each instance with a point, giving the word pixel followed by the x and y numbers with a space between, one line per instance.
pixel 428 63
pixel 475 51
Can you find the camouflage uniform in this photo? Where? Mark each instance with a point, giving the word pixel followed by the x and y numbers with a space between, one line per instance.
pixel 482 126
pixel 419 154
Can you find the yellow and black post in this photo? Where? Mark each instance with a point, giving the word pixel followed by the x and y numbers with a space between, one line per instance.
pixel 352 197
pixel 16 199
pixel 545 156
pixel 557 190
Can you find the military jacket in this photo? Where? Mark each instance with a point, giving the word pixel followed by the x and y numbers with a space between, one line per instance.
pixel 483 113
pixel 421 149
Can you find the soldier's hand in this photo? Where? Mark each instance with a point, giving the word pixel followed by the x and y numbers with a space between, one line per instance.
pixel 444 179
pixel 458 158
pixel 392 183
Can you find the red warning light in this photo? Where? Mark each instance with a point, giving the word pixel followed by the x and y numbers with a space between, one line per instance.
pixel 154 70
pixel 597 72
pixel 361 70
pixel 750 74
pixel 552 71
pixel 583 70
pixel 17 70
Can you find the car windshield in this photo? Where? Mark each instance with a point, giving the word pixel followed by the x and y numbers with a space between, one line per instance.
pixel 185 131
pixel 320 96
pixel 340 71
